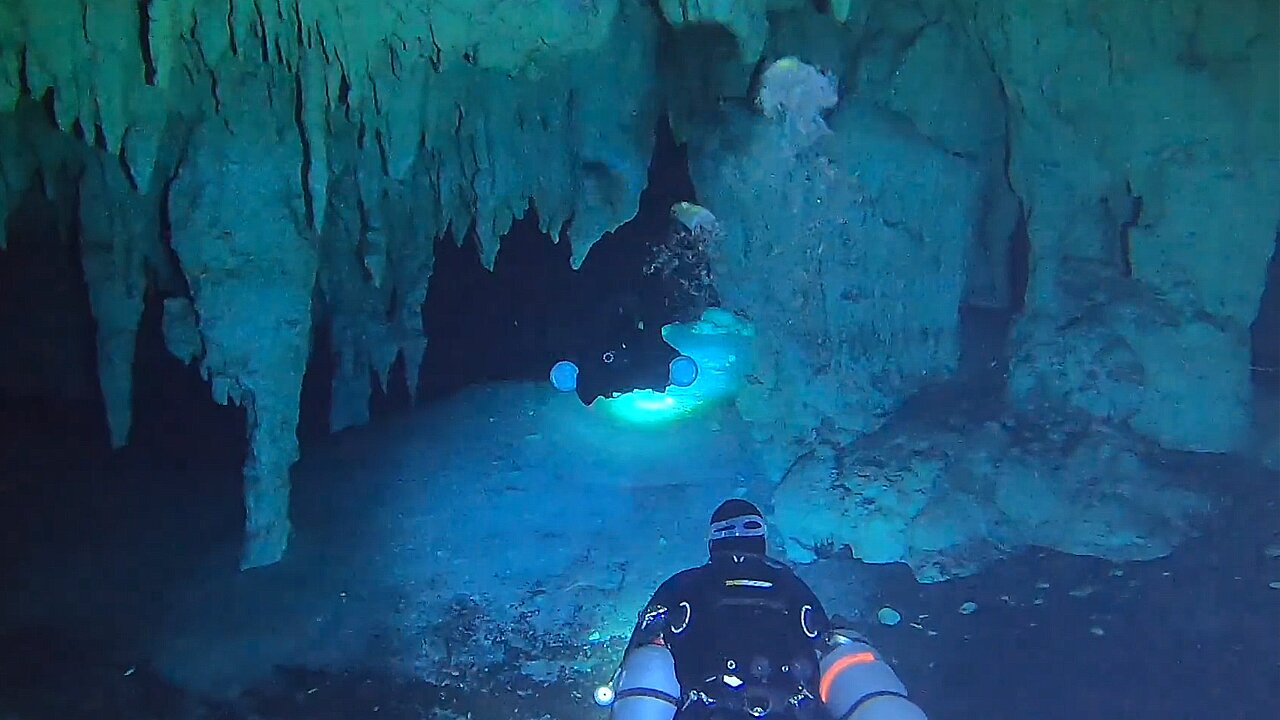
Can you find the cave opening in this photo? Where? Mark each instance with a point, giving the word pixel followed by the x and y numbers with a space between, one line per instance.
pixel 175 419
pixel 512 323
pixel 1127 225
pixel 48 372
pixel 1265 330
pixel 1019 269
pixel 516 321
pixel 985 328
pixel 54 439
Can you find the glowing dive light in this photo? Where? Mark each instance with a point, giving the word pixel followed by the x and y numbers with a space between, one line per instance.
pixel 604 695
pixel 715 352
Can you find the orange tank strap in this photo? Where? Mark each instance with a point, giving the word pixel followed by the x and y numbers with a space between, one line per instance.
pixel 839 666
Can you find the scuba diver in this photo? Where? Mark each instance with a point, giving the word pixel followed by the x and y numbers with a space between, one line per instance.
pixel 743 637
pixel 636 358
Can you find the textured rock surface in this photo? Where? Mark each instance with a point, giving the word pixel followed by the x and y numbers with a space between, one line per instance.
pixel 118 229
pixel 1117 351
pixel 854 286
pixel 299 155
pixel 376 258
pixel 948 502
pixel 301 158
pixel 1131 128
pixel 251 265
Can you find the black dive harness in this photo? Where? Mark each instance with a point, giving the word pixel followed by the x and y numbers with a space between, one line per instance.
pixel 752 685
pixel 757 700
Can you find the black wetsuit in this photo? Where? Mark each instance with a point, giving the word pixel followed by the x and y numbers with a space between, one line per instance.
pixel 635 357
pixel 744 630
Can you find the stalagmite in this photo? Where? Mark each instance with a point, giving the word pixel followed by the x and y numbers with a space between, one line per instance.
pixel 239 232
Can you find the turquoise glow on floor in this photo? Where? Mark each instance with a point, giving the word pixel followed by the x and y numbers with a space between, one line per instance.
pixel 720 343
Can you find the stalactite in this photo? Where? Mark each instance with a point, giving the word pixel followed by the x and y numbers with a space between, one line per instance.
pixel 118 229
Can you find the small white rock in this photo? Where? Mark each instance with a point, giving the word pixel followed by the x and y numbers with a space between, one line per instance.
pixel 889 616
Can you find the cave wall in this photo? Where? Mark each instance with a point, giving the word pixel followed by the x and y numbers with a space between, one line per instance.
pixel 1135 145
pixel 46 326
pixel 851 270
pixel 854 244
pixel 272 167
pixel 1144 147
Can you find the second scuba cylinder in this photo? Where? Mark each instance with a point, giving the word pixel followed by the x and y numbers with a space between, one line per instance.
pixel 646 688
pixel 857 684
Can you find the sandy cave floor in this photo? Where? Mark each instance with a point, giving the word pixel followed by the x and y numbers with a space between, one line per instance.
pixel 480 556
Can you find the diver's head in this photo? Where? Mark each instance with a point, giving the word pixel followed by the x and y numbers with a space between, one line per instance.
pixel 737 528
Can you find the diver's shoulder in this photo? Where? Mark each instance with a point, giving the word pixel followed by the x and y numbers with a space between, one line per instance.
pixel 684 578
pixel 782 572
pixel 774 563
pixel 768 564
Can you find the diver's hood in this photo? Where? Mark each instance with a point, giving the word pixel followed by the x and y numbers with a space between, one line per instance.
pixel 737 528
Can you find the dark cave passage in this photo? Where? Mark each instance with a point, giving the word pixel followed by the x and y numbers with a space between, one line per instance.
pixel 515 322
pixel 46 327
pixel 1265 330
pixel 52 419
pixel 509 324
pixel 1019 270
pixel 174 415
pixel 50 368
pixel 984 331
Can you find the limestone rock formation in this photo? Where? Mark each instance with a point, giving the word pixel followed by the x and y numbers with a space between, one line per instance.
pixel 275 169
pixel 41 296
pixel 948 502
pixel 119 227
pixel 1117 351
pixel 244 248
pixel 289 153
pixel 1131 127
pixel 854 287
pixel 181 330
